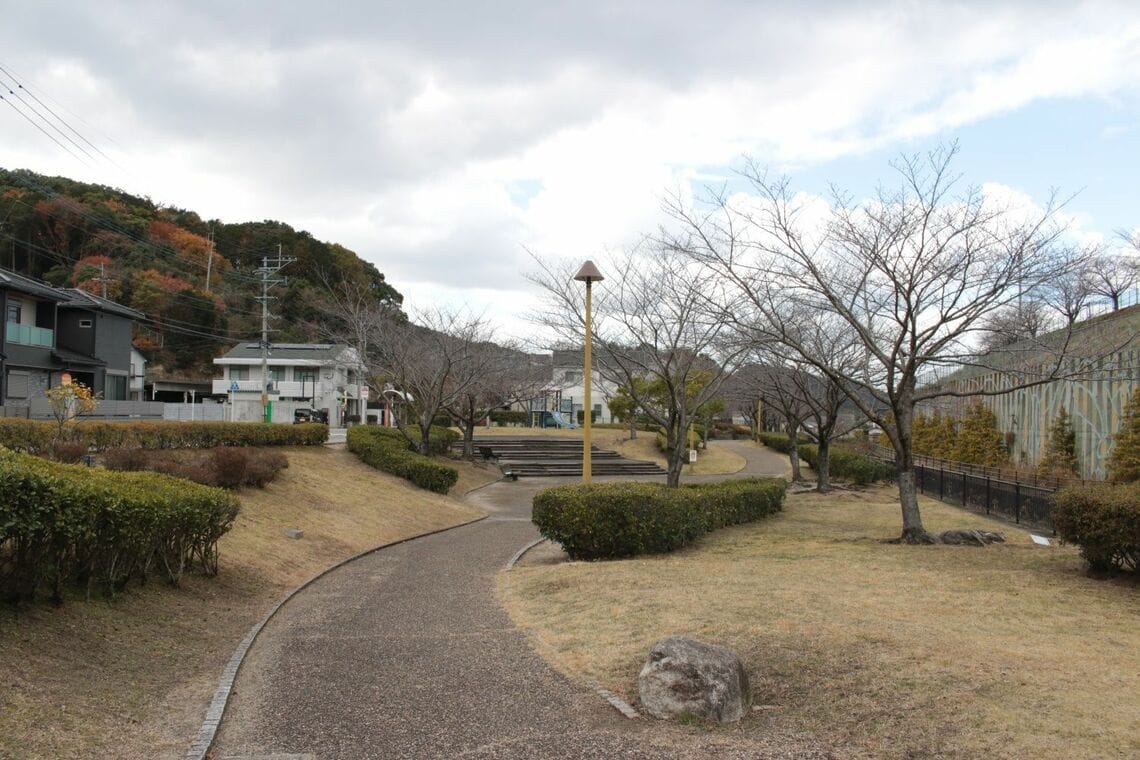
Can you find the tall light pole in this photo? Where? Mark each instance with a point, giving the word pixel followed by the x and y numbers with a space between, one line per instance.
pixel 588 274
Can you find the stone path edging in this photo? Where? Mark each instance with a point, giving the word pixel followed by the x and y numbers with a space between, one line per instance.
pixel 217 708
pixel 519 554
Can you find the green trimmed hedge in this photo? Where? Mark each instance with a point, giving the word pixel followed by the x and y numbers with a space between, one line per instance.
pixel 386 449
pixel 34 436
pixel 843 463
pixel 610 520
pixel 440 439
pixel 63 524
pixel 1104 520
pixel 779 442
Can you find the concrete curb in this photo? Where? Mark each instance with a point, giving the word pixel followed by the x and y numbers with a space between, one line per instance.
pixel 519 554
pixel 209 730
pixel 619 704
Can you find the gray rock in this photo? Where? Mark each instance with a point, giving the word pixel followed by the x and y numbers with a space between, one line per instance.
pixel 294 533
pixel 684 676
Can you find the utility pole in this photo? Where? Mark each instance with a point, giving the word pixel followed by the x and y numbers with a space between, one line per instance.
pixel 267 270
pixel 103 278
pixel 210 259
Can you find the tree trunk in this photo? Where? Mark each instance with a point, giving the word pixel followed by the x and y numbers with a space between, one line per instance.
pixel 824 470
pixel 469 430
pixel 677 453
pixel 794 453
pixel 632 429
pixel 425 432
pixel 913 532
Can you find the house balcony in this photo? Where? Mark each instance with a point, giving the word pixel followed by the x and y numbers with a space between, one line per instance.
pixel 29 335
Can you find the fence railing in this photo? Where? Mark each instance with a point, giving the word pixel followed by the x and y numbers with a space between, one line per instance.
pixel 989 490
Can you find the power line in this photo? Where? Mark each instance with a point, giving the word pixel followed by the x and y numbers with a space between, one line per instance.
pixel 50 136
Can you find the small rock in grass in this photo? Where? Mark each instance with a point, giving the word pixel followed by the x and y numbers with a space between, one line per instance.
pixel 687 677
pixel 294 533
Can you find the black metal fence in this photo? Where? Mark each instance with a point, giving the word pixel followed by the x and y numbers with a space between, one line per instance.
pixel 1017 501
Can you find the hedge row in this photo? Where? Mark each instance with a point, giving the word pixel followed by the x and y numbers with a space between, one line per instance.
pixel 779 441
pixel 843 463
pixel 1104 520
pixel 503 417
pixel 609 520
pixel 386 449
pixel 35 436
pixel 64 523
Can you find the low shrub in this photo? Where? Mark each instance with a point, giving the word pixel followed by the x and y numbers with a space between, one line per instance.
pixel 1104 520
pixel 780 441
pixel 440 439
pixel 859 469
pixel 611 520
pixel 69 452
pixel 387 449
pixel 504 417
pixel 224 466
pixel 63 524
pixel 35 436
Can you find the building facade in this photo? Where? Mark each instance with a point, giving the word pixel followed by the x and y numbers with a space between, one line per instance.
pixel 322 376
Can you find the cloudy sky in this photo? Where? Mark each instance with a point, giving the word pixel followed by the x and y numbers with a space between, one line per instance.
pixel 439 140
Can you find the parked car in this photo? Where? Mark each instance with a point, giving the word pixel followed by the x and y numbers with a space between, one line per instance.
pixel 310 415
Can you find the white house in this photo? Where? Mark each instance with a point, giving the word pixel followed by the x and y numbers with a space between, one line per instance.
pixel 320 376
pixel 569 389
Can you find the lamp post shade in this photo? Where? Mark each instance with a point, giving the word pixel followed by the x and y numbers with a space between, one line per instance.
pixel 589 273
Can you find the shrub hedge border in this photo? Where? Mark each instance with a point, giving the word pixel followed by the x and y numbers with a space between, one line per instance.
pixel 611 520
pixel 386 449
pixel 1104 520
pixel 63 523
pixel 35 436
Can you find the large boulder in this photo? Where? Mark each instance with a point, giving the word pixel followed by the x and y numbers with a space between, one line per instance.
pixel 684 676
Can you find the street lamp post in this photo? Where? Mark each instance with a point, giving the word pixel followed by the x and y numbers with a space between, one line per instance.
pixel 587 274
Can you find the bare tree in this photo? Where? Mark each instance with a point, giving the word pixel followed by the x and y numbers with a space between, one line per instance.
pixel 1071 291
pixel 1014 323
pixel 653 331
pixel 434 362
pixel 1113 274
pixel 913 273
pixel 781 398
pixel 503 375
pixel 354 314
pixel 743 395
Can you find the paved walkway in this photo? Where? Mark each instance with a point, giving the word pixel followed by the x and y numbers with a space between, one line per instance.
pixel 406 653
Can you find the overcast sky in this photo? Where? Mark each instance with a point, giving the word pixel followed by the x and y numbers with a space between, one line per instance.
pixel 440 139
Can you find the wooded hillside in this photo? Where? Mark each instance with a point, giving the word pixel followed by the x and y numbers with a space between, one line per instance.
pixel 156 259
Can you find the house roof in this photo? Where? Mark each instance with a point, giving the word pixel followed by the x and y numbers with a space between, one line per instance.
pixel 81 299
pixel 324 353
pixel 74 358
pixel 11 281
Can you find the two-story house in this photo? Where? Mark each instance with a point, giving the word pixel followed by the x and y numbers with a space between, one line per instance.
pixel 567 377
pixel 299 375
pixel 26 360
pixel 50 332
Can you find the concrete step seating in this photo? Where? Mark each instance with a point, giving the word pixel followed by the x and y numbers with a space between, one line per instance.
pixel 558 457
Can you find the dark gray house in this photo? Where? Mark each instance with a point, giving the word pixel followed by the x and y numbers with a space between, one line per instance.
pixel 50 331
pixel 26 360
pixel 93 340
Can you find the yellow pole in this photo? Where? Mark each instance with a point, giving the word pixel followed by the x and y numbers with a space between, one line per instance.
pixel 588 378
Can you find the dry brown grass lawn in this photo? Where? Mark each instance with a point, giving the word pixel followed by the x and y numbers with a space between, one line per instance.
pixel 1007 651
pixel 131 677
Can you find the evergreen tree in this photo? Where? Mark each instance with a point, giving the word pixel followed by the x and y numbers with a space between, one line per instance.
pixel 1124 463
pixel 1060 459
pixel 979 441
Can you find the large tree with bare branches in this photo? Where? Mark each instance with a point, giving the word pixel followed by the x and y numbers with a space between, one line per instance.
pixel 913 274
pixel 434 360
pixel 654 334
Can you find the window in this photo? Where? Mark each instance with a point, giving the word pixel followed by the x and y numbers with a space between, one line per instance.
pixel 239 373
pixel 14 313
pixel 115 388
pixel 85 323
pixel 17 384
pixel 277 374
pixel 572 376
pixel 307 375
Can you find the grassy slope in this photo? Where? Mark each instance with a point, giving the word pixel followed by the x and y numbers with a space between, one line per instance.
pixel 879 650
pixel 131 677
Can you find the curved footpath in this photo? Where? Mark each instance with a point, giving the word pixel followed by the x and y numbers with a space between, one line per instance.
pixel 406 653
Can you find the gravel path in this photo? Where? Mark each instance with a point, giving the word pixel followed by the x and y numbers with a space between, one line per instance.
pixel 406 653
